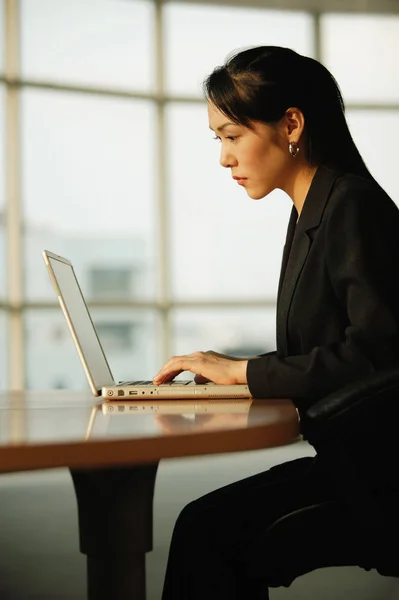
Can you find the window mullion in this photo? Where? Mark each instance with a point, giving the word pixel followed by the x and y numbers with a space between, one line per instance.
pixel 13 199
pixel 161 212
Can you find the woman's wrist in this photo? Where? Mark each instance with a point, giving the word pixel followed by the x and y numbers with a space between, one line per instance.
pixel 242 371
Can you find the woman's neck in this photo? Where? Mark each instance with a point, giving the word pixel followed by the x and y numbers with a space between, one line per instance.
pixel 299 184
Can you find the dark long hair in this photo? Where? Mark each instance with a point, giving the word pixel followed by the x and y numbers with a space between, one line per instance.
pixel 260 84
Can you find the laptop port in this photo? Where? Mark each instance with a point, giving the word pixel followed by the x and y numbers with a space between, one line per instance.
pixel 132 393
pixel 121 392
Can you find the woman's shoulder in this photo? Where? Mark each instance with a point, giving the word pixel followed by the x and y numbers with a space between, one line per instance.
pixel 351 183
pixel 353 192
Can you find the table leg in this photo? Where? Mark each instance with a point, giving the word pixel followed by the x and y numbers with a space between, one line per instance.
pixel 115 509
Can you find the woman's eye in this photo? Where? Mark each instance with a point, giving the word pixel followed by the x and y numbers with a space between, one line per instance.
pixel 232 138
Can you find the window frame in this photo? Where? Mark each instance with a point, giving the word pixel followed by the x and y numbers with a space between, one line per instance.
pixel 15 304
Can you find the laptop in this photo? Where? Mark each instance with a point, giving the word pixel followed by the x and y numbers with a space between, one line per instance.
pixel 95 363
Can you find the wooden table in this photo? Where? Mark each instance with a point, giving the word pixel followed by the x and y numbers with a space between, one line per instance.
pixel 113 461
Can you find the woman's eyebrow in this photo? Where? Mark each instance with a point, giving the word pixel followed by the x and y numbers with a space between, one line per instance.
pixel 221 127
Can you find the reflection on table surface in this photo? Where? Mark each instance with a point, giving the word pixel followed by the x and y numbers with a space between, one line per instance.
pixel 61 416
pixel 168 416
pixel 73 429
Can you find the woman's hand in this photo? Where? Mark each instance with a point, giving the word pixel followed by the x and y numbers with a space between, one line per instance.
pixel 207 366
pixel 172 424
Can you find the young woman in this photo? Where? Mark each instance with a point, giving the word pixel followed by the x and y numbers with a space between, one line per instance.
pixel 280 119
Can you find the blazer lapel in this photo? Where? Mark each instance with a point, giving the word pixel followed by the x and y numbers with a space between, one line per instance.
pixel 299 251
pixel 297 248
pixel 287 248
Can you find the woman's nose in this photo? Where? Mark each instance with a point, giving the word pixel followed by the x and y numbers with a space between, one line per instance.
pixel 226 159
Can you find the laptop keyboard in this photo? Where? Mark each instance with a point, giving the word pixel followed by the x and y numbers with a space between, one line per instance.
pixel 181 382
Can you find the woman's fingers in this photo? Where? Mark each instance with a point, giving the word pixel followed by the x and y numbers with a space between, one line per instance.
pixel 201 379
pixel 165 376
pixel 206 366
pixel 178 364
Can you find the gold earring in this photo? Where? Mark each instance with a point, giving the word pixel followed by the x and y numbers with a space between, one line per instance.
pixel 293 149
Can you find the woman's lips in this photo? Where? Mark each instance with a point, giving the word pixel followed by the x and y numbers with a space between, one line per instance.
pixel 240 180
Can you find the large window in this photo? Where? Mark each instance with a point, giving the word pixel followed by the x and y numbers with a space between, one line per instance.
pixel 3 350
pixel 188 58
pixel 119 173
pixel 101 43
pixel 1 35
pixel 2 195
pixel 361 51
pixel 113 282
pixel 237 332
pixel 88 184
pixel 128 337
pixel 376 133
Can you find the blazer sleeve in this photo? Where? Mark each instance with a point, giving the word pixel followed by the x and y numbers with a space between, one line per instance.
pixel 362 261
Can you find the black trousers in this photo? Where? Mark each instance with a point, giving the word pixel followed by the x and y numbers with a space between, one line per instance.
pixel 236 542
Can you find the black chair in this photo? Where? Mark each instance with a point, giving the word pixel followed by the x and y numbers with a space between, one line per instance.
pixel 356 431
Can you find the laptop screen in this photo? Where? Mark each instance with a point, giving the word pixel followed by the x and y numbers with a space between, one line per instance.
pixel 79 320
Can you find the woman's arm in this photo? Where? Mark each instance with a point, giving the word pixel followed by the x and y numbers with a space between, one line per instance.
pixel 362 259
pixel 207 366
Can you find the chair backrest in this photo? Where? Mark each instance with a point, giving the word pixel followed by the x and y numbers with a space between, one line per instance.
pixel 355 431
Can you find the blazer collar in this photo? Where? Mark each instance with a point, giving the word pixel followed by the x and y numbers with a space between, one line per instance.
pixel 297 246
pixel 316 198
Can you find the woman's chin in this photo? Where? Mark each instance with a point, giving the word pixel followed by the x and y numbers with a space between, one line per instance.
pixel 257 194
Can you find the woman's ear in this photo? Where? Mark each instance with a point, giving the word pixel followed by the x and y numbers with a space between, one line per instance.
pixel 295 124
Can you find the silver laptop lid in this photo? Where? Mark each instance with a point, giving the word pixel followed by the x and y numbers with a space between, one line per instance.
pixel 77 315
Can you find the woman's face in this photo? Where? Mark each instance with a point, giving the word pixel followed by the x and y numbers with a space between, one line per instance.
pixel 258 159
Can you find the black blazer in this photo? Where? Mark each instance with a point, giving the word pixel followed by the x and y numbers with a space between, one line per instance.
pixel 338 296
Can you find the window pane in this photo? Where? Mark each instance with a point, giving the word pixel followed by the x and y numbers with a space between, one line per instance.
pixel 2 35
pixel 88 42
pixel 361 52
pixel 224 245
pixel 238 332
pixel 88 191
pixel 127 336
pixel 189 58
pixel 376 134
pixel 3 350
pixel 2 194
